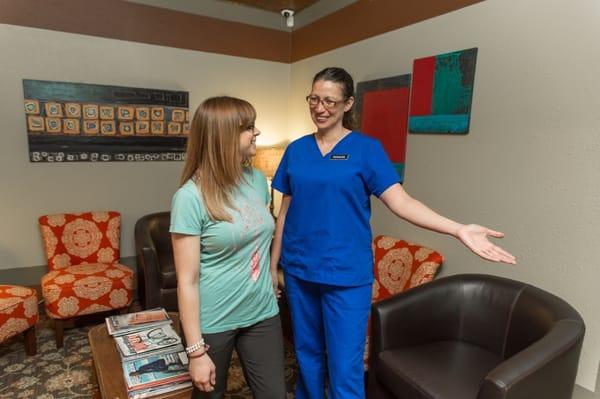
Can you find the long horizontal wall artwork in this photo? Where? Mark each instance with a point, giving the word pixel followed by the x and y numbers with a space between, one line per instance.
pixel 442 92
pixel 382 107
pixel 78 122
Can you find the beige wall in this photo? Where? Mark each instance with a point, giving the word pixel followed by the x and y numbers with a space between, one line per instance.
pixel 530 165
pixel 133 188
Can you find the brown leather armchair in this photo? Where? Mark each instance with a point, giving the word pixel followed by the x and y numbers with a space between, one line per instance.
pixel 474 337
pixel 157 283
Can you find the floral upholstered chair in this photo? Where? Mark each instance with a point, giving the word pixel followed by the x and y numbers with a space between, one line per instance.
pixel 398 266
pixel 84 277
pixel 18 314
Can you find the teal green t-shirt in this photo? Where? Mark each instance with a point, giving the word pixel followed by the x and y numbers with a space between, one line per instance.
pixel 235 283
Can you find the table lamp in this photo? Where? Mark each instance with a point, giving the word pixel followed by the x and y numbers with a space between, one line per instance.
pixel 267 160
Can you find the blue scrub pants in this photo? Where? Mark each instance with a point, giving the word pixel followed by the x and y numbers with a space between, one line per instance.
pixel 330 326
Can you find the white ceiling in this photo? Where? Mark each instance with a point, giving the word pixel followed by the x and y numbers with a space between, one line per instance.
pixel 253 16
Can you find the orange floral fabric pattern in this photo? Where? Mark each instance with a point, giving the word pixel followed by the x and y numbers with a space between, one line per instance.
pixel 18 310
pixel 72 239
pixel 398 266
pixel 85 289
pixel 82 250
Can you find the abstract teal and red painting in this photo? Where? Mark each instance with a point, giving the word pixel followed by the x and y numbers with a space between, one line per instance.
pixel 382 107
pixel 442 92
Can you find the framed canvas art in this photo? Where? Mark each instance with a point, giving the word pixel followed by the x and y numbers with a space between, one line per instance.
pixel 78 122
pixel 442 92
pixel 382 108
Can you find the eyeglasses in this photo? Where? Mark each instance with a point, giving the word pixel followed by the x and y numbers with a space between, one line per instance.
pixel 328 103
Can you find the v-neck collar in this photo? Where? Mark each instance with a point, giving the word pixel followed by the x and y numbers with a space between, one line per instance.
pixel 316 143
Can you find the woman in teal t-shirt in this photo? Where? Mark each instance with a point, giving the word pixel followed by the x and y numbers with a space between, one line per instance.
pixel 221 231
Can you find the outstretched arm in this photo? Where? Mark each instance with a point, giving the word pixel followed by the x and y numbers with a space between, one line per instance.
pixel 472 236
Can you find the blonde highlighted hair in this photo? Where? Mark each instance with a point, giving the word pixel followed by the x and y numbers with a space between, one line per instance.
pixel 213 156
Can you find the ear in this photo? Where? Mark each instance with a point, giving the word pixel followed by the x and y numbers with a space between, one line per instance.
pixel 349 103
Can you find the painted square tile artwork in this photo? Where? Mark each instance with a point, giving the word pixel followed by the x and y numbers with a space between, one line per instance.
pixel 78 122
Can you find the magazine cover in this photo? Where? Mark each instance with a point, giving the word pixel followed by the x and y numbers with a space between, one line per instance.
pixel 156 370
pixel 130 322
pixel 169 349
pixel 159 390
pixel 152 339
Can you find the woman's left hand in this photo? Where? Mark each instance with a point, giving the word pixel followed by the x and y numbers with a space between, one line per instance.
pixel 475 238
pixel 275 280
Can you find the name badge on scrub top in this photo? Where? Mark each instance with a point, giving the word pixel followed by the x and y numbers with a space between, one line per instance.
pixel 339 157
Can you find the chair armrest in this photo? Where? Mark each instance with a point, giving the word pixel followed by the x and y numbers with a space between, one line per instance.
pixel 548 367
pixel 151 278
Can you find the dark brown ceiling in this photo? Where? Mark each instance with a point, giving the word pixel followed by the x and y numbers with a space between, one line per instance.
pixel 275 5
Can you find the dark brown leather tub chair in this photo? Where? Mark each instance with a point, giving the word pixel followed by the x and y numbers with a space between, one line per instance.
pixel 157 283
pixel 474 337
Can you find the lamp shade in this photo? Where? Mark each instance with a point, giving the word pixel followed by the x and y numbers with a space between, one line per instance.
pixel 267 159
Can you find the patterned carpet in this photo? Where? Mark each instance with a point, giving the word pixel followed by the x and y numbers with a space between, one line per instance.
pixel 50 374
pixel 67 373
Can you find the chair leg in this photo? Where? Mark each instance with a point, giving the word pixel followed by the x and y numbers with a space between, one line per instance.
pixel 59 332
pixel 30 341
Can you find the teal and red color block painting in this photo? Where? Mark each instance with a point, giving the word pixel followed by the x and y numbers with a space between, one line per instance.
pixel 442 92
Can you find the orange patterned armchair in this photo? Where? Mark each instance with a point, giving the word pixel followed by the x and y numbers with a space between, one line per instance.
pixel 84 277
pixel 398 266
pixel 18 314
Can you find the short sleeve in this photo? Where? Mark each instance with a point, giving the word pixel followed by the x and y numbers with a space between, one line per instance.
pixel 281 180
pixel 188 215
pixel 380 173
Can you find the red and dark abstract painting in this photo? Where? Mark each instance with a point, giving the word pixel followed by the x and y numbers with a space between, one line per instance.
pixel 382 107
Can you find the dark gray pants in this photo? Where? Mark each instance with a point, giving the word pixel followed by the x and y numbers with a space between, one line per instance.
pixel 260 349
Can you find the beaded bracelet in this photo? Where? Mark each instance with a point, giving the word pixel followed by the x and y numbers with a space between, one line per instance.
pixel 206 347
pixel 195 347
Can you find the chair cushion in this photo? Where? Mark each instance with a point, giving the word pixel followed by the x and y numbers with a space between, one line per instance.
pixel 18 310
pixel 447 369
pixel 87 288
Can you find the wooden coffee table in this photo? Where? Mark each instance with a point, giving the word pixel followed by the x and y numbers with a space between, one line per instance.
pixel 108 372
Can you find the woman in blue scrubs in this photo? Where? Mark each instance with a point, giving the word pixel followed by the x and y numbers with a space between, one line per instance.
pixel 323 237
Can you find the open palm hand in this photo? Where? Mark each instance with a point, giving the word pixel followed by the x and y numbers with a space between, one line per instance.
pixel 475 238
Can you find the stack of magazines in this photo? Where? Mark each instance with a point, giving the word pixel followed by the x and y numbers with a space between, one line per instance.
pixel 153 357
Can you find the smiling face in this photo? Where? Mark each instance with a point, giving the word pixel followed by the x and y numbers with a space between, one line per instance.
pixel 248 141
pixel 327 113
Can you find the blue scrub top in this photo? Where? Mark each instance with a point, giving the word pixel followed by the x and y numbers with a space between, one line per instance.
pixel 327 234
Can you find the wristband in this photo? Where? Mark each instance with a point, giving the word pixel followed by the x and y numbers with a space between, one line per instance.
pixel 195 347
pixel 206 347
